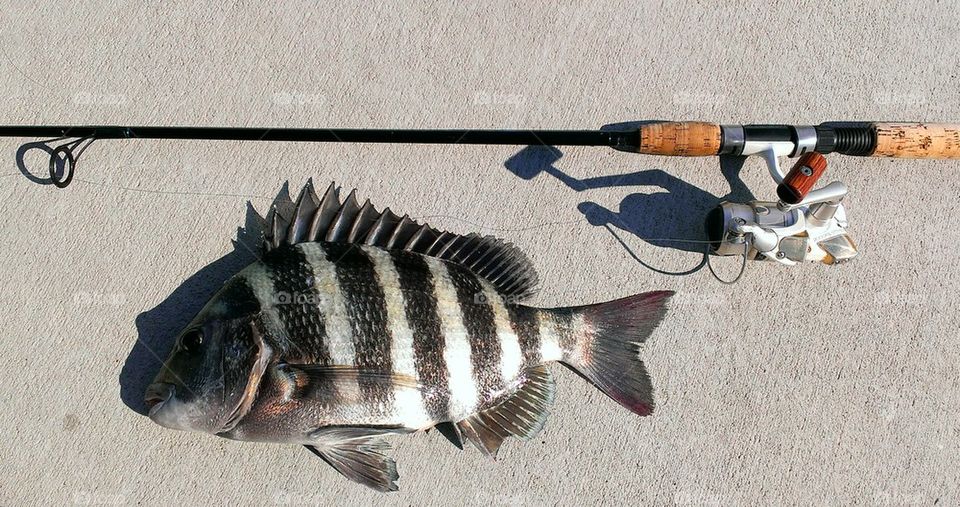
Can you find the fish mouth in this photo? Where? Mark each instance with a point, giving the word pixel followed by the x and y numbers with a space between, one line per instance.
pixel 157 394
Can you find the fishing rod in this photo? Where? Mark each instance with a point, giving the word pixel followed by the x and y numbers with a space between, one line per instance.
pixel 803 224
pixel 906 140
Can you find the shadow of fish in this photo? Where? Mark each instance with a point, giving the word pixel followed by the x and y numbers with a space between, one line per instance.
pixel 356 323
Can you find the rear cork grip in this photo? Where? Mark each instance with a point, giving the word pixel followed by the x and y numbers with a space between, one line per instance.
pixel 917 140
pixel 684 139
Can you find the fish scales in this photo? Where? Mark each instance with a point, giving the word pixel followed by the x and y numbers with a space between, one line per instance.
pixel 367 311
pixel 479 322
pixel 257 277
pixel 330 300
pixel 526 324
pixel 511 353
pixel 294 301
pixel 474 360
pixel 470 316
pixel 409 406
pixel 415 282
pixel 462 386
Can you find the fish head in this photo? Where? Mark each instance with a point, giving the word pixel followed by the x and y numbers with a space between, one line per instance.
pixel 210 377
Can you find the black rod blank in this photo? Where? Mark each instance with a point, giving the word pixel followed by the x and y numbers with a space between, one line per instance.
pixel 63 158
pixel 510 137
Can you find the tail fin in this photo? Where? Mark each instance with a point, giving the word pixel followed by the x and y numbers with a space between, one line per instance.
pixel 608 356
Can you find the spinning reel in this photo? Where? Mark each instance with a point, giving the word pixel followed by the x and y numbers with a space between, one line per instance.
pixel 802 225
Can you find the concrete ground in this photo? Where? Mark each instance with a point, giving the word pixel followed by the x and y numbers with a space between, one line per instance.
pixel 808 385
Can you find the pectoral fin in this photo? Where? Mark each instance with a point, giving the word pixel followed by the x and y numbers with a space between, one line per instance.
pixel 522 414
pixel 358 454
pixel 304 380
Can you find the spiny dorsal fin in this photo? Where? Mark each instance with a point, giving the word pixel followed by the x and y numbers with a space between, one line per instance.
pixel 325 218
pixel 522 414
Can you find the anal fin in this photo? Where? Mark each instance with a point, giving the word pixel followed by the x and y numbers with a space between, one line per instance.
pixel 521 414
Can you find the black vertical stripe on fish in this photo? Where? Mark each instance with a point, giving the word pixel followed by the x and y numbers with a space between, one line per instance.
pixel 366 308
pixel 481 326
pixel 420 307
pixel 296 304
pixel 526 323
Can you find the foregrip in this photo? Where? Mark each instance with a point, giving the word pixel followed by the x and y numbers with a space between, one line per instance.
pixel 685 139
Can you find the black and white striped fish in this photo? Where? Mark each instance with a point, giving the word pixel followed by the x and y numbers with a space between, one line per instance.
pixel 355 323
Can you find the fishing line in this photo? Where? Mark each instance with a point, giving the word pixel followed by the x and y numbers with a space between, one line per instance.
pixel 743 265
pixel 20 71
pixel 499 229
pixel 171 192
pixel 644 264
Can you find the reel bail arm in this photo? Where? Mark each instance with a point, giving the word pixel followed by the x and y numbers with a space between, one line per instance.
pixel 803 225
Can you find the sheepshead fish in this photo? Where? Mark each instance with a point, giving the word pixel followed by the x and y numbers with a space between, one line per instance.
pixel 355 324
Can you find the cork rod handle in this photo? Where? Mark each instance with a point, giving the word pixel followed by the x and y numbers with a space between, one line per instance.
pixel 917 140
pixel 684 139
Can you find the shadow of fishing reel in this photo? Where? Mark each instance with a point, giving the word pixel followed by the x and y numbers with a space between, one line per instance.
pixel 803 225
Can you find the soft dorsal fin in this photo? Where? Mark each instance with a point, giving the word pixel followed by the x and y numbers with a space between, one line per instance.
pixel 328 219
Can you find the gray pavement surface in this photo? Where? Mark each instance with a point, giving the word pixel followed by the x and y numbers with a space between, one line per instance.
pixel 805 385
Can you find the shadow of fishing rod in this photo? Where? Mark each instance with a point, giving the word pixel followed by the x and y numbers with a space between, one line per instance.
pixel 672 218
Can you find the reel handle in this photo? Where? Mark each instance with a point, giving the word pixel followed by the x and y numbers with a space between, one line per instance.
pixel 802 177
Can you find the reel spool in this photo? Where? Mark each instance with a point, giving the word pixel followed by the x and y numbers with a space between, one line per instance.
pixel 804 225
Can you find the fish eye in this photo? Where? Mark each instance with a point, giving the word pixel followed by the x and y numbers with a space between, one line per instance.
pixel 192 339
